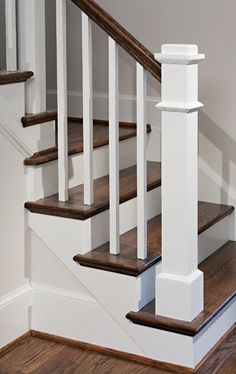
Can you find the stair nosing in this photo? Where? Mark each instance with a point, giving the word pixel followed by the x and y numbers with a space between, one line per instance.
pixel 12 77
pixel 130 270
pixel 72 213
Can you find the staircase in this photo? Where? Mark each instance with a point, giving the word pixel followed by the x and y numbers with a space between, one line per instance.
pixel 106 230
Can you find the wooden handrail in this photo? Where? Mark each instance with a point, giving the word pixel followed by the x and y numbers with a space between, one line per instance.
pixel 131 45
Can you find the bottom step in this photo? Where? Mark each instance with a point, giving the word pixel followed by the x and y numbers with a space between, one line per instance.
pixel 219 289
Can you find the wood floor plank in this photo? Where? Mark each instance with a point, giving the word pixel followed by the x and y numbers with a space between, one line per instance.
pixel 75 139
pixel 127 262
pixel 219 289
pixel 75 208
pixel 40 356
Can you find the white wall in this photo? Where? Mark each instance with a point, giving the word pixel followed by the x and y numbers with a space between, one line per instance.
pixel 211 25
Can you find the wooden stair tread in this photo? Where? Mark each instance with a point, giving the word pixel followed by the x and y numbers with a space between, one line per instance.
pixel 75 139
pixel 75 208
pixel 127 262
pixel 219 289
pixel 10 77
pixel 35 119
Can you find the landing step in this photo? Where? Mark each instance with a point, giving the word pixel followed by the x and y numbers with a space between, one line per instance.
pixel 38 118
pixel 75 139
pixel 127 263
pixel 75 208
pixel 219 289
pixel 10 77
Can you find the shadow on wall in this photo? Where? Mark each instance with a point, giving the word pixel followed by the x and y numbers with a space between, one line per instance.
pixel 212 134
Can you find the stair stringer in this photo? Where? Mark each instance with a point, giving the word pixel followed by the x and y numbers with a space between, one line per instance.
pixel 12 109
pixel 123 293
pixel 63 306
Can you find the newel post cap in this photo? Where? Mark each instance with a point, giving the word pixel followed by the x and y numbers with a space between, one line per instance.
pixel 184 54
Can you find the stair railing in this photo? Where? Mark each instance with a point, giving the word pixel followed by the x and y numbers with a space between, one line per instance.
pixel 117 36
pixel 180 284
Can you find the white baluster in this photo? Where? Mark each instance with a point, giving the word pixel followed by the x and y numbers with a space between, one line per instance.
pixel 11 49
pixel 62 101
pixel 87 109
pixel 32 51
pixel 179 286
pixel 114 147
pixel 141 163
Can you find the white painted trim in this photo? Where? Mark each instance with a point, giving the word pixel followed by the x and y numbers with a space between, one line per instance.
pixel 49 290
pixel 87 73
pixel 215 177
pixel 179 59
pixel 62 121
pixel 127 106
pixel 15 295
pixel 100 95
pixel 14 140
pixel 179 107
pixel 31 288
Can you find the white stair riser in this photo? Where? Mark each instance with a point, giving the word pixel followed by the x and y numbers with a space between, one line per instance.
pixel 83 236
pixel 43 179
pixel 12 109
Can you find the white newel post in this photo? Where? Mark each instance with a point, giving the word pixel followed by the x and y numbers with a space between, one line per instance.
pixel 179 285
pixel 31 51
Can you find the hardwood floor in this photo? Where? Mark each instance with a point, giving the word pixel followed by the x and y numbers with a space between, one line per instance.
pixel 38 356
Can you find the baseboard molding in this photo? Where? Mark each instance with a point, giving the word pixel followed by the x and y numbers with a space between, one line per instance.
pixel 112 352
pixel 213 188
pixel 217 179
pixel 211 355
pixel 45 323
pixel 15 314
pixel 212 351
pixel 127 106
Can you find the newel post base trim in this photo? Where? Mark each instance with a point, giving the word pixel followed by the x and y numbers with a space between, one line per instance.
pixel 179 297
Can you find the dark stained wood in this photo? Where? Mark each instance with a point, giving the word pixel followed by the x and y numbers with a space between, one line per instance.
pixel 15 343
pixel 131 45
pixel 219 289
pixel 114 353
pixel 222 359
pixel 127 263
pixel 47 354
pixel 75 208
pixel 75 139
pixel 35 119
pixel 9 77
